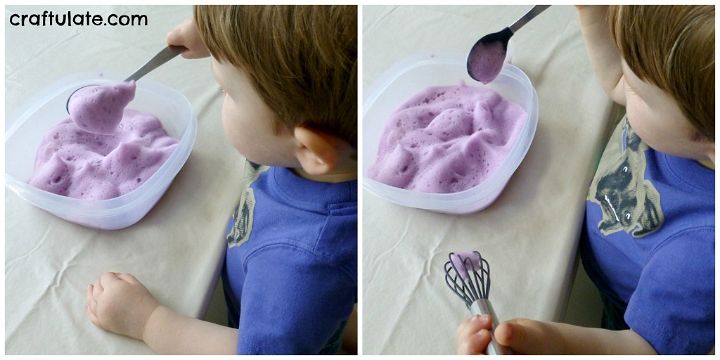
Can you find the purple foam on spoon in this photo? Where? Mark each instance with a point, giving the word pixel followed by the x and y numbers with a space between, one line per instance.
pixel 465 262
pixel 487 61
pixel 99 109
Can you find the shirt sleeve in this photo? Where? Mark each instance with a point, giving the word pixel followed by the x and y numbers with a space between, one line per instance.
pixel 292 303
pixel 673 307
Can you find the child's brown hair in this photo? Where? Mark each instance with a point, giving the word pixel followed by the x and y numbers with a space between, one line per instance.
pixel 302 59
pixel 673 48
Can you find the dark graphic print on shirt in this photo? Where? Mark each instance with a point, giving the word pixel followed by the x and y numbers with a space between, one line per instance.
pixel 242 220
pixel 242 216
pixel 628 201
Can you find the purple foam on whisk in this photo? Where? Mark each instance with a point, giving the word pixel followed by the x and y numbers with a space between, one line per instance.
pixel 464 262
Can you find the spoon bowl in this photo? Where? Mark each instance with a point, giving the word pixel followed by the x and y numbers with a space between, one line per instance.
pixel 160 58
pixel 487 55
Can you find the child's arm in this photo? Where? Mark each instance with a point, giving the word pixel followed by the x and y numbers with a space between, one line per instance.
pixel 603 53
pixel 168 332
pixel 119 303
pixel 525 336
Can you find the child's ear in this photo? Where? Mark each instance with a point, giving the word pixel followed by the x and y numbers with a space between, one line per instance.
pixel 317 151
pixel 711 153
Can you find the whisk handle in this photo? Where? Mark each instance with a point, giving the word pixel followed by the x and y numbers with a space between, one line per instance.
pixel 483 307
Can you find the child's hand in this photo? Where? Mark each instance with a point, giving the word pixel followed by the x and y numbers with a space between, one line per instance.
pixel 522 336
pixel 187 35
pixel 119 303
pixel 473 335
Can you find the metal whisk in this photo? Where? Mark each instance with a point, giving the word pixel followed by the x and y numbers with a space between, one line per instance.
pixel 468 276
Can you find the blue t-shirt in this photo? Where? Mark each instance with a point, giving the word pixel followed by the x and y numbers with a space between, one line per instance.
pixel 290 270
pixel 650 244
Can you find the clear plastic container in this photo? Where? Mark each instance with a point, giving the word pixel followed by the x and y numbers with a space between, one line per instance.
pixel 411 75
pixel 47 109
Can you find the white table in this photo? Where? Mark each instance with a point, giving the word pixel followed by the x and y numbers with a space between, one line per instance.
pixel 175 250
pixel 529 234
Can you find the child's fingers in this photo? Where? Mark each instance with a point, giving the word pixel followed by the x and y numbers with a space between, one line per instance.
pixel 108 278
pixel 473 335
pixel 89 293
pixel 176 35
pixel 475 344
pixel 179 37
pixel 97 289
pixel 473 325
pixel 89 308
pixel 186 35
pixel 172 38
pixel 91 314
pixel 91 302
pixel 127 277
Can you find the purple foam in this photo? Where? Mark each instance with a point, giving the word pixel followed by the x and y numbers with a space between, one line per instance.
pixel 74 162
pixel 488 61
pixel 447 139
pixel 99 109
pixel 465 262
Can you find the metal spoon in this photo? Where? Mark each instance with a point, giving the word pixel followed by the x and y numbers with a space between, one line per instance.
pixel 488 54
pixel 160 58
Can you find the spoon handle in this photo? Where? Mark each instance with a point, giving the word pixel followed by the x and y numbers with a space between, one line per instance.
pixel 162 57
pixel 537 9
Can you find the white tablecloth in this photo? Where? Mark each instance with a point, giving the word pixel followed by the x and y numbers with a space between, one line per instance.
pixel 529 235
pixel 175 250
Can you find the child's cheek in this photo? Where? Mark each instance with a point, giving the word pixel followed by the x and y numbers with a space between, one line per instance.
pixel 633 113
pixel 642 121
pixel 231 121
